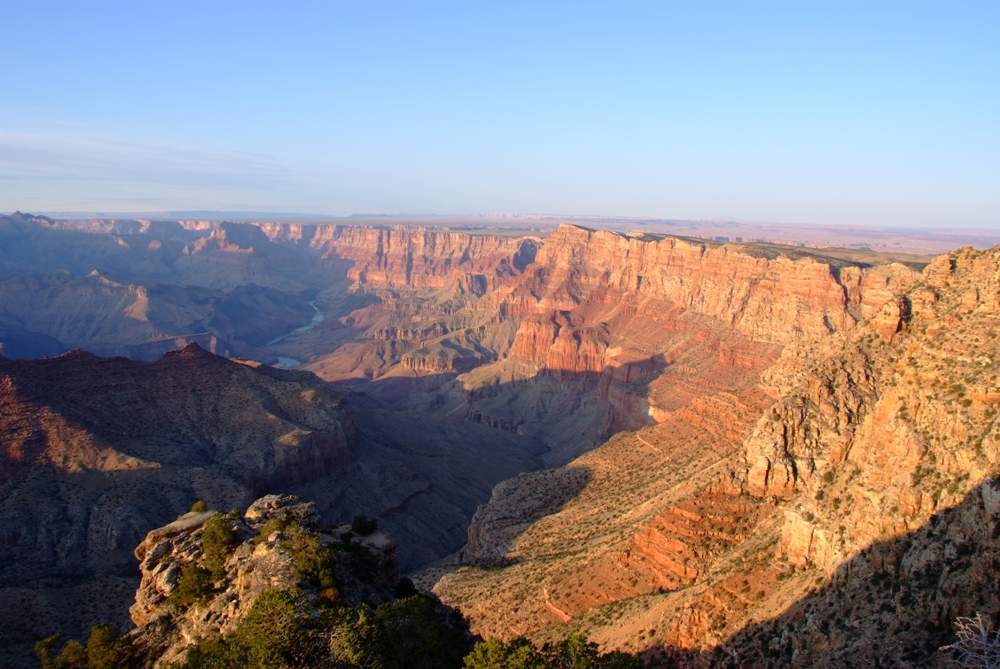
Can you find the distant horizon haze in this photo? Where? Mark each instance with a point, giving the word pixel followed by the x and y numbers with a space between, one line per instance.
pixel 911 242
pixel 841 114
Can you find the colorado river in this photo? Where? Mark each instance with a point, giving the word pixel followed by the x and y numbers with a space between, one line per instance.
pixel 288 363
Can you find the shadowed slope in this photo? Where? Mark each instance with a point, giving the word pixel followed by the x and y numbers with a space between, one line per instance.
pixel 95 452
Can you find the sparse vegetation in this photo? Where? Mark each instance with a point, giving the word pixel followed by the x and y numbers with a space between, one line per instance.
pixel 573 652
pixel 314 561
pixel 978 645
pixel 272 525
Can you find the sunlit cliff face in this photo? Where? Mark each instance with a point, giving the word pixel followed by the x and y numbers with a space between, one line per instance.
pixel 846 479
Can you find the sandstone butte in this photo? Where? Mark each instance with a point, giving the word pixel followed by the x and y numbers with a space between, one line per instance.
pixel 779 433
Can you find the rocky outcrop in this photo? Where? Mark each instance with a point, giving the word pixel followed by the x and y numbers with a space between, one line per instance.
pixel 255 565
pixel 901 408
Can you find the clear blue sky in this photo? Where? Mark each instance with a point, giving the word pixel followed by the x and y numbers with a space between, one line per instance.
pixel 872 113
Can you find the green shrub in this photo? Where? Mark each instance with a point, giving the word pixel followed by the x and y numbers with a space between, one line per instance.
pixel 276 524
pixel 405 588
pixel 104 650
pixel 574 652
pixel 280 632
pixel 419 636
pixel 363 525
pixel 107 650
pixel 73 656
pixel 314 562
pixel 195 586
pixel 199 507
pixel 44 648
pixel 218 539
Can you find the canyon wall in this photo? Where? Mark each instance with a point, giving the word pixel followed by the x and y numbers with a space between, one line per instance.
pixel 729 382
pixel 94 429
pixel 568 339
pixel 799 512
pixel 414 259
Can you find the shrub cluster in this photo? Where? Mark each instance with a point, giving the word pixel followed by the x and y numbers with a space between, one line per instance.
pixel 281 630
pixel 363 525
pixel 218 539
pixel 575 651
pixel 104 650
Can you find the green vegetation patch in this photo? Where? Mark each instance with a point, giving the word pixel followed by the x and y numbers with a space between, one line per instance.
pixel 218 540
pixel 282 630
pixel 104 649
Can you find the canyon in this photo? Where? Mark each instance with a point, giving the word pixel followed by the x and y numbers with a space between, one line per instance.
pixel 840 510
pixel 687 449
pixel 98 451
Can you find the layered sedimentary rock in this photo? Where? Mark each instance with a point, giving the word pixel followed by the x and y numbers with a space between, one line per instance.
pixel 769 300
pixel 859 472
pixel 567 339
pixel 508 331
pixel 418 259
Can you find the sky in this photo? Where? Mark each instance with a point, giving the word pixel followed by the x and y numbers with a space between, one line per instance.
pixel 869 113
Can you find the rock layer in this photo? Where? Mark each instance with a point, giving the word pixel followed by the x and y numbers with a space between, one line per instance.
pixel 858 470
pixel 521 347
